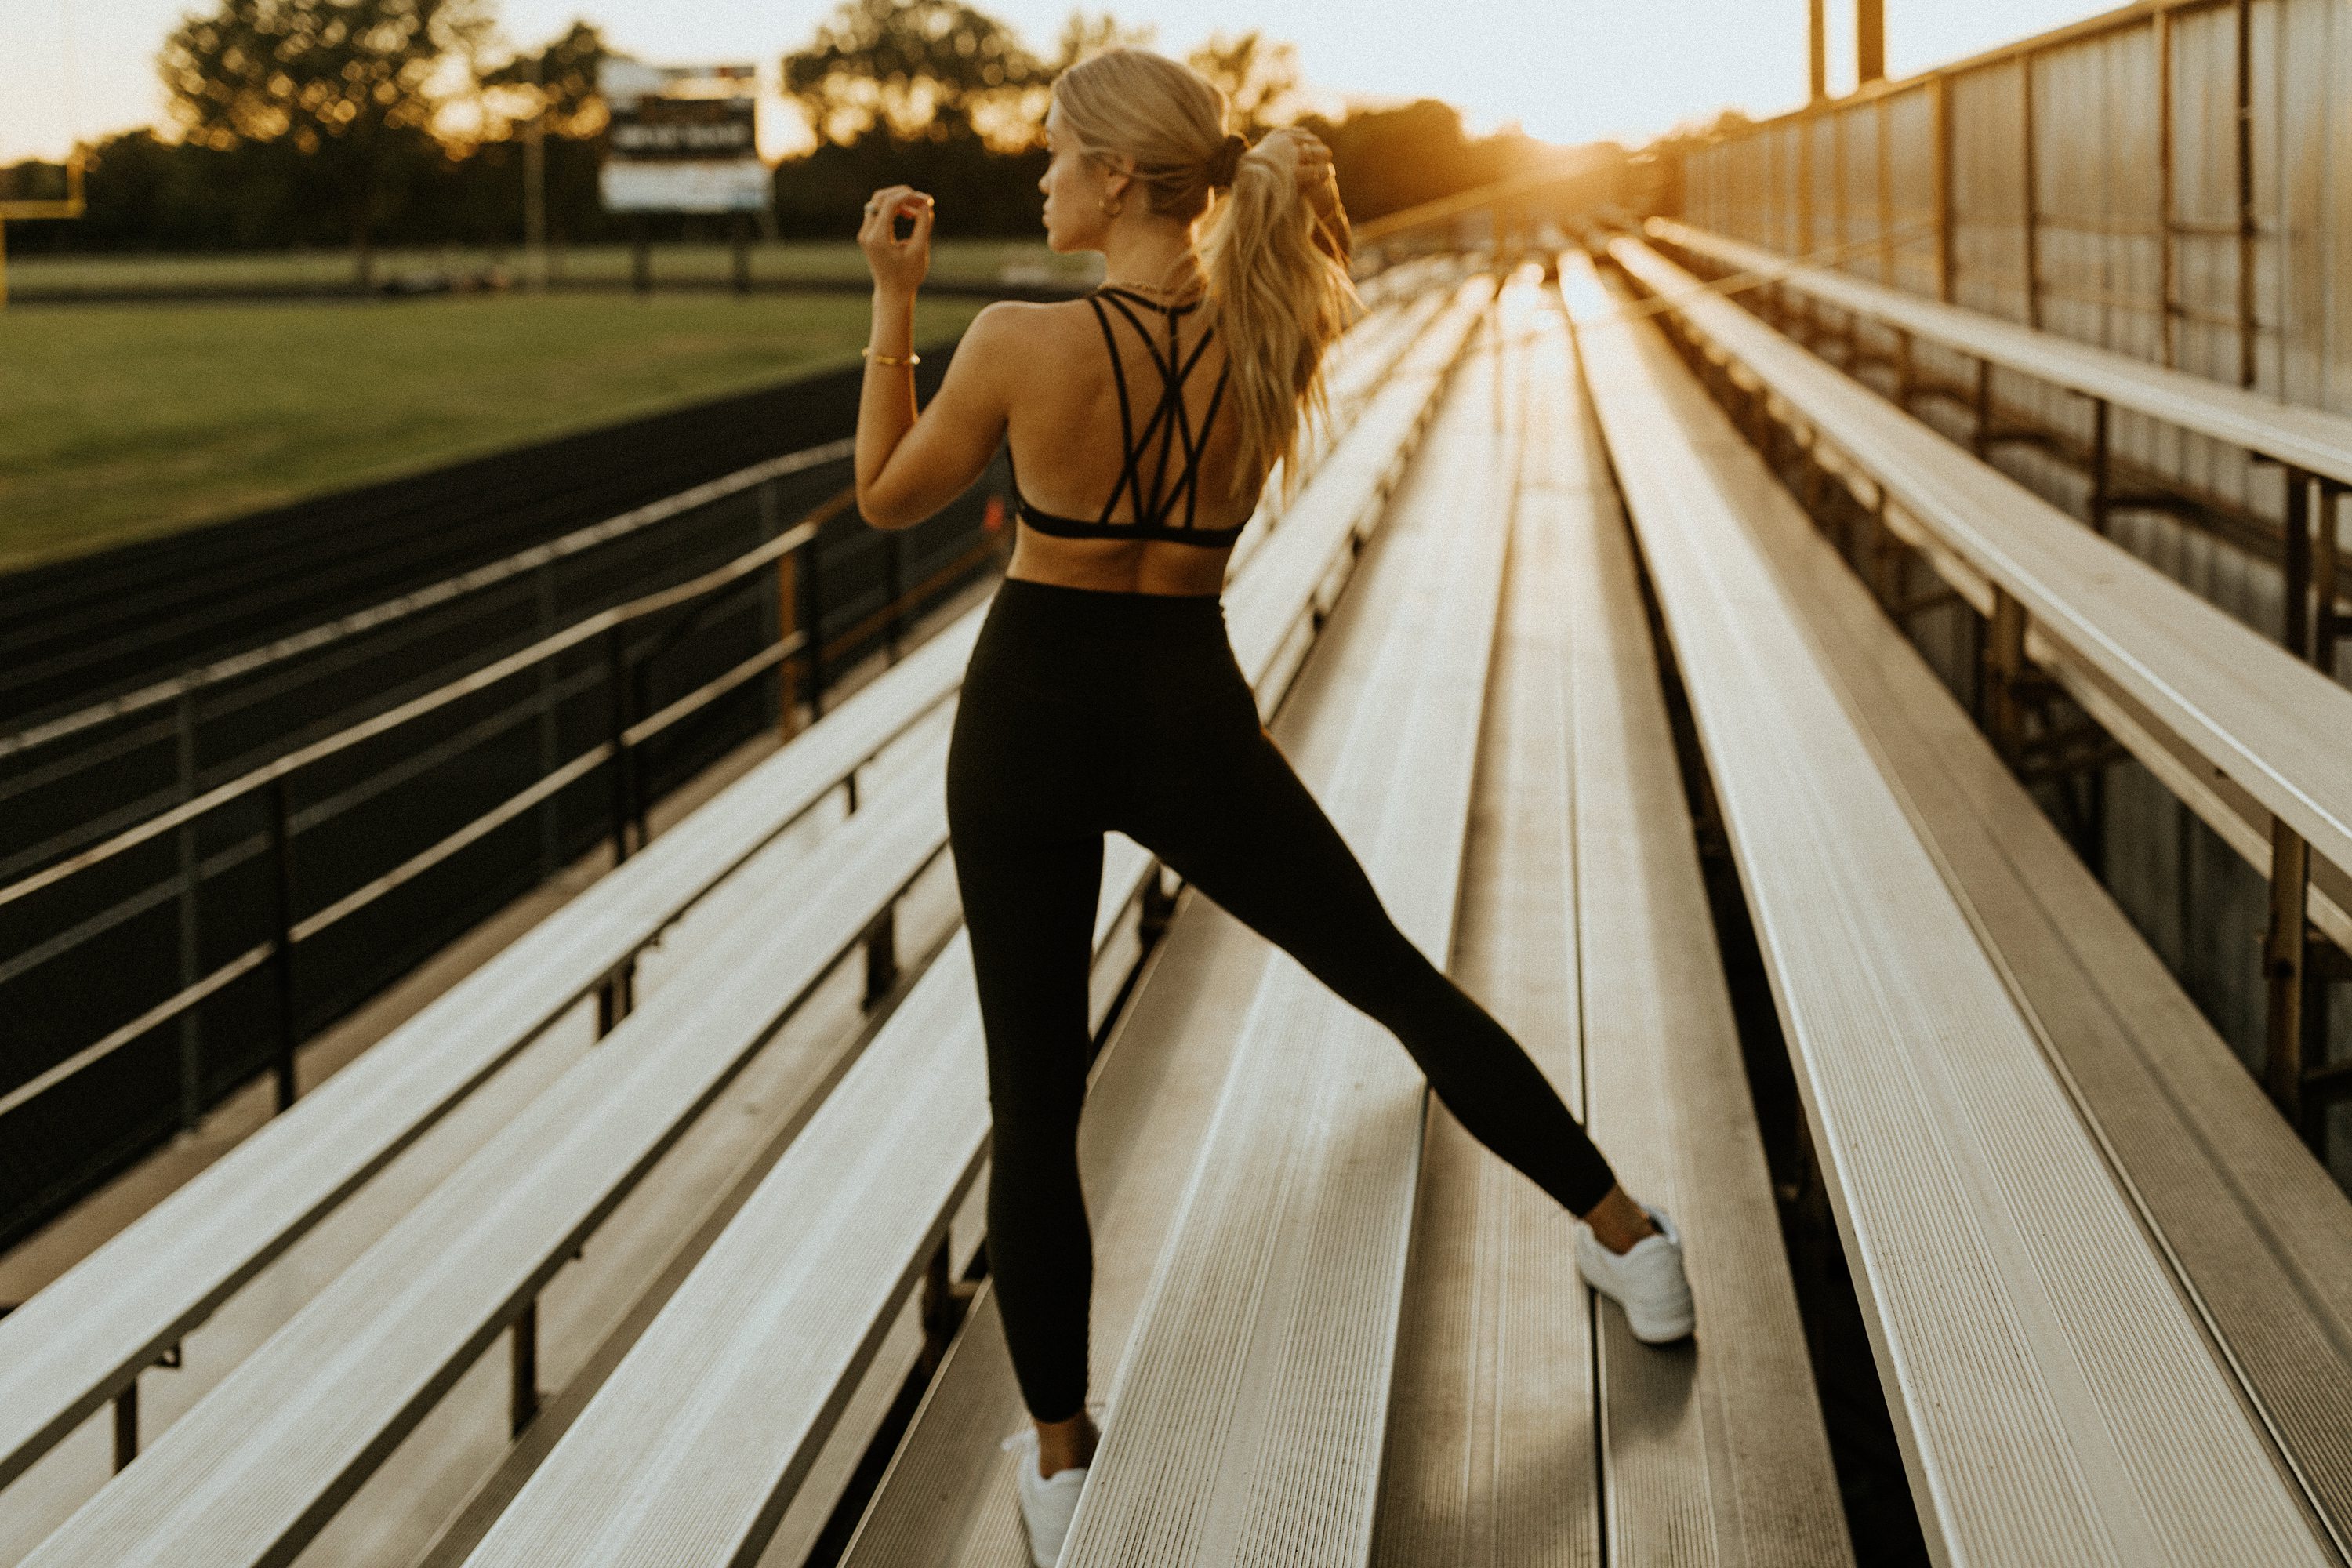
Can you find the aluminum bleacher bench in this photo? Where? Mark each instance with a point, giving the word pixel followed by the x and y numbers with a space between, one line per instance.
pixel 2259 1232
pixel 1513 1436
pixel 2245 733
pixel 2311 439
pixel 696 1442
pixel 2055 1398
pixel 85 1338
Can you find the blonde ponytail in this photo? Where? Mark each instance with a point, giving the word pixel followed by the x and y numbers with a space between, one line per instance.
pixel 1276 298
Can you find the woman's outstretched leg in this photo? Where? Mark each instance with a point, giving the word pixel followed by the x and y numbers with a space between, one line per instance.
pixel 1233 819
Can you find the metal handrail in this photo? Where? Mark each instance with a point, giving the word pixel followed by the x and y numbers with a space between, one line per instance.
pixel 610 623
pixel 450 588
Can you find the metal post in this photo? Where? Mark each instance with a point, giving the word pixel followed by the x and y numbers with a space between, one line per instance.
pixel 1980 438
pixel 2031 176
pixel 812 575
pixel 2283 969
pixel 522 1387
pixel 787 621
pixel 2245 148
pixel 641 258
pixel 1904 373
pixel 2166 265
pixel 2099 485
pixel 2326 556
pixel 281 952
pixel 1943 112
pixel 2004 671
pixel 1817 52
pixel 1869 41
pixel 881 957
pixel 551 844
pixel 192 1043
pixel 2294 567
pixel 616 997
pixel 941 1308
pixel 126 1425
pixel 616 684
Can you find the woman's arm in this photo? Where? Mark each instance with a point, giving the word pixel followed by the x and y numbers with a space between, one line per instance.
pixel 910 464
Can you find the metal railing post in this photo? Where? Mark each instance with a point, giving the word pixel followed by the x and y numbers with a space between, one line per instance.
pixel 126 1425
pixel 2099 478
pixel 2284 955
pixel 811 618
pixel 192 1044
pixel 2294 567
pixel 893 625
pixel 617 682
pixel 2326 557
pixel 2004 672
pixel 550 846
pixel 281 954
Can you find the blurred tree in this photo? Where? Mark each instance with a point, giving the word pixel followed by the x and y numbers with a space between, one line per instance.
pixel 1082 34
pixel 350 85
pixel 1259 78
pixel 920 69
pixel 561 77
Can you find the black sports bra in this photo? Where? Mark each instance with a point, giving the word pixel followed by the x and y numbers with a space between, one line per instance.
pixel 1169 421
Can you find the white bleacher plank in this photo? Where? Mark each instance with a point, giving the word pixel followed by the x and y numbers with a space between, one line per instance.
pixel 67 1350
pixel 2279 727
pixel 711 1450
pixel 1246 1419
pixel 260 1462
pixel 2053 1400
pixel 1723 1444
pixel 1493 1452
pixel 2314 440
pixel 2262 1233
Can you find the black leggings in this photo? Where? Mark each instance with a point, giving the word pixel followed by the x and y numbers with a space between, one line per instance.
pixel 1084 712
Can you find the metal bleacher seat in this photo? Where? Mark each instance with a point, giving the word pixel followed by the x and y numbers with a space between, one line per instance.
pixel 705 1427
pixel 84 1338
pixel 297 1407
pixel 2054 1395
pixel 2258 1230
pixel 1513 1436
pixel 2311 439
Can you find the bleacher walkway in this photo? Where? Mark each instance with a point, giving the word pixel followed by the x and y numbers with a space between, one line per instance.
pixel 2105 1290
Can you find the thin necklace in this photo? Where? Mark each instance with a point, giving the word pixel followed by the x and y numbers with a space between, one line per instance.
pixel 1163 290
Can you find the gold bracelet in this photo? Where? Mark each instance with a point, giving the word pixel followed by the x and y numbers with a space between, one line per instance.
pixel 910 358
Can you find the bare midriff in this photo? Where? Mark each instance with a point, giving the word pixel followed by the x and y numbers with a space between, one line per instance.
pixel 1119 566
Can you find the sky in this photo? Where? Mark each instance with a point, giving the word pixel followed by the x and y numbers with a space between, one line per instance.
pixel 1565 71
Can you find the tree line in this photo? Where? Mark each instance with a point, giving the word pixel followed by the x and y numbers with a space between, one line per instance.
pixel 383 123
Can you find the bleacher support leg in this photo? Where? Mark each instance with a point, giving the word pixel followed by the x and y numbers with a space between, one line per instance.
pixel 2295 564
pixel 2099 489
pixel 2284 950
pixel 522 1392
pixel 944 1301
pixel 2325 560
pixel 2003 674
pixel 616 681
pixel 788 620
pixel 881 957
pixel 126 1426
pixel 616 998
pixel 1980 438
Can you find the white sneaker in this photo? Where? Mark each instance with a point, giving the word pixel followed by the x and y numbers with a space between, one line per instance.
pixel 1047 1502
pixel 1646 1279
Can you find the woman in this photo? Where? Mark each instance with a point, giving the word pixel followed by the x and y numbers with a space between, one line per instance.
pixel 1102 692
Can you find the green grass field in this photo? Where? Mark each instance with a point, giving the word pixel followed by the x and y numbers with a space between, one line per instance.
pixel 961 260
pixel 125 422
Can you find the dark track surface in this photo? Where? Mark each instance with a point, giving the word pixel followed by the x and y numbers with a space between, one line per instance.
pixel 83 630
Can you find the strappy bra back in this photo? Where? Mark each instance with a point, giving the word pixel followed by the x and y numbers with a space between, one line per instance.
pixel 1153 506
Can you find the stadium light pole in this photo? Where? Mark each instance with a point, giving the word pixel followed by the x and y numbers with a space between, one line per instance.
pixel 1817 52
pixel 1869 41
